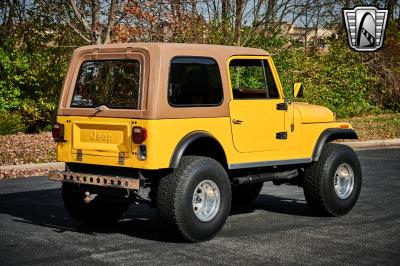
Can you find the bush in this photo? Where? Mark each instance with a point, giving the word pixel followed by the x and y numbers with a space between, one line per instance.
pixel 30 82
pixel 386 66
pixel 335 78
pixel 11 124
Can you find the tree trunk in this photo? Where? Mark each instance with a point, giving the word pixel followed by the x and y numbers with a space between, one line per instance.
pixel 111 21
pixel 238 21
pixel 226 9
pixel 391 5
pixel 96 27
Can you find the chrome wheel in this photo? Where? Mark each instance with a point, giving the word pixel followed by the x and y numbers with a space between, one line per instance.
pixel 206 200
pixel 344 181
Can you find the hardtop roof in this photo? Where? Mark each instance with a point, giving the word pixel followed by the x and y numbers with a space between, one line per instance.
pixel 178 48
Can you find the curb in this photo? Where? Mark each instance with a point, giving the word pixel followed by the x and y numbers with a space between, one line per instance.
pixel 358 145
pixel 371 144
pixel 36 166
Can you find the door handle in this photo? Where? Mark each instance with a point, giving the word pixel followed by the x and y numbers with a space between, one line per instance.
pixel 236 121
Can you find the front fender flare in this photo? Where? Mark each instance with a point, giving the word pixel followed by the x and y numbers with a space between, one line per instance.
pixel 331 134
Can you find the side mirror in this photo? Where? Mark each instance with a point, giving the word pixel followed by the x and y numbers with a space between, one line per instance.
pixel 298 90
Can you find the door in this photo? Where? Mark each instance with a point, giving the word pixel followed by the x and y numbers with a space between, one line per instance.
pixel 257 124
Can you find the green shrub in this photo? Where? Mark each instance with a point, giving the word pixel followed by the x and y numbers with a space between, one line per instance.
pixel 30 82
pixel 335 78
pixel 11 124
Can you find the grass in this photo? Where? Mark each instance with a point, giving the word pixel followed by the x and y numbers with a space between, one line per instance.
pixel 385 126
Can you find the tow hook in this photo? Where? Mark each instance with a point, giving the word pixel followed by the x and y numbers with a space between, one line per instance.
pixel 89 197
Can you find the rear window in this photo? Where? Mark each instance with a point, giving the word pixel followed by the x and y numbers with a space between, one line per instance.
pixel 113 83
pixel 194 81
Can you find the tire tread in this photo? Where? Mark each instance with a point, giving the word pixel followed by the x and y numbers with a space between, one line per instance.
pixel 315 179
pixel 171 190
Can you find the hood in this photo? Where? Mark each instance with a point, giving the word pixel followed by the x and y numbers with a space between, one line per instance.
pixel 314 113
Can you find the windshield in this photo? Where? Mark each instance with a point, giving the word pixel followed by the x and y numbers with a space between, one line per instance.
pixel 113 83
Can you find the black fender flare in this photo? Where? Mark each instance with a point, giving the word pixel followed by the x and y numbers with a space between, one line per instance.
pixel 331 134
pixel 184 143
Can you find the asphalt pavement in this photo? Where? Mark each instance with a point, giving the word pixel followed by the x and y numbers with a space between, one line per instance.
pixel 277 229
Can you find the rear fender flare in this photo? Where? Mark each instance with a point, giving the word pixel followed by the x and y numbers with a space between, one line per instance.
pixel 184 143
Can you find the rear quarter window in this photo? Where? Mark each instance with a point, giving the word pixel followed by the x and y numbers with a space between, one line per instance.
pixel 194 81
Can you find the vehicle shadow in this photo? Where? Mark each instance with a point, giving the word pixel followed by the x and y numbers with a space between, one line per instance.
pixel 275 204
pixel 45 208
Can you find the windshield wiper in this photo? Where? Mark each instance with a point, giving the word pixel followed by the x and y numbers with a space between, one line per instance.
pixel 98 109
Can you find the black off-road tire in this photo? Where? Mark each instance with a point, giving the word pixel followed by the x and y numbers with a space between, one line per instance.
pixel 319 189
pixel 244 194
pixel 98 212
pixel 175 196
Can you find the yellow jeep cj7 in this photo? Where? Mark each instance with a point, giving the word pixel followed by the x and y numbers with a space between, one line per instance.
pixel 191 129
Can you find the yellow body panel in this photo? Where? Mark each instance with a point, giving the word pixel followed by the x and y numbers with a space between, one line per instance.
pixel 164 136
pixel 96 136
pixel 260 123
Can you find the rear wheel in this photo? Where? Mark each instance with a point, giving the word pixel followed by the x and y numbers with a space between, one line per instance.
pixel 333 183
pixel 244 194
pixel 195 198
pixel 98 212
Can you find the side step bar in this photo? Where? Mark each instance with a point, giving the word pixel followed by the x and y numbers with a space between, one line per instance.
pixel 96 180
pixel 258 178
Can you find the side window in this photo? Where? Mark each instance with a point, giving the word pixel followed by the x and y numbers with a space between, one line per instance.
pixel 194 81
pixel 252 79
pixel 272 90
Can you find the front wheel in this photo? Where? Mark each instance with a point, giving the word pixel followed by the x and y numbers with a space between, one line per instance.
pixel 333 183
pixel 195 198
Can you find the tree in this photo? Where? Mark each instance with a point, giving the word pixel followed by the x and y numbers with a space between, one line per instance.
pixel 92 20
pixel 391 6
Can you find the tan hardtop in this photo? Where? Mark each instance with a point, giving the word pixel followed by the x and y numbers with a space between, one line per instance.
pixel 176 48
pixel 156 58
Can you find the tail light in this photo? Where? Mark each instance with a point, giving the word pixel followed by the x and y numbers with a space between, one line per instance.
pixel 139 135
pixel 58 132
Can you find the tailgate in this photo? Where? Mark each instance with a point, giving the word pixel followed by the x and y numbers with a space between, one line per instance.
pixel 102 136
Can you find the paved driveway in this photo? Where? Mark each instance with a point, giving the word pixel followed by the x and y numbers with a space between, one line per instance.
pixel 277 229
